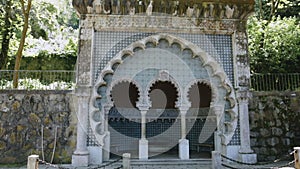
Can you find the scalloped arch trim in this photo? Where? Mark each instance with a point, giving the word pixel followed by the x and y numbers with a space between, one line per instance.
pixel 207 60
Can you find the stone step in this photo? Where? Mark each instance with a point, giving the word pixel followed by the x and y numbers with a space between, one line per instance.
pixel 137 164
pixel 167 164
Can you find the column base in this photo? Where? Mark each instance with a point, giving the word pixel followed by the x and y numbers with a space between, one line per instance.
pixel 96 157
pixel 248 158
pixel 184 149
pixel 143 149
pixel 106 147
pixel 80 160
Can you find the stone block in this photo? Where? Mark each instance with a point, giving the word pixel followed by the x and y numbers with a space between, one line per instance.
pixel 143 149
pixel 184 151
pixel 273 151
pixel 253 142
pixel 276 131
pixel 263 151
pixel 2 145
pixel 286 141
pixel 264 132
pixel 80 160
pixel 273 141
pixel 261 142
pixel 248 158
pixel 95 155
pixel 254 134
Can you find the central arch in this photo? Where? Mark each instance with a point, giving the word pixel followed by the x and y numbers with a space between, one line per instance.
pixel 163 95
pixel 162 127
pixel 164 46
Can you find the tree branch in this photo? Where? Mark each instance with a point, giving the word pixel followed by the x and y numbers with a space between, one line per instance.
pixel 23 6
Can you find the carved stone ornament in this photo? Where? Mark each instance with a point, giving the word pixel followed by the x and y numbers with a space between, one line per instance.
pixel 163 75
pixel 215 9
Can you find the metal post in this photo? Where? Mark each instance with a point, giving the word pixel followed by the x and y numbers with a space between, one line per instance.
pixel 33 162
pixel 216 160
pixel 297 157
pixel 126 161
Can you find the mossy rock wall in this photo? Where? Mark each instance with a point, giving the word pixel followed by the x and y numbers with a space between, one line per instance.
pixel 274 124
pixel 23 116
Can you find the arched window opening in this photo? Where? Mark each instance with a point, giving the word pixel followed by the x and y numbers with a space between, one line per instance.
pixel 163 95
pixel 200 95
pixel 125 95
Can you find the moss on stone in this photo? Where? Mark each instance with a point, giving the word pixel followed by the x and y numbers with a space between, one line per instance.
pixel 34 119
pixel 2 145
pixel 2 131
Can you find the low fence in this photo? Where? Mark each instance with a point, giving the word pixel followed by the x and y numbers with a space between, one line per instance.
pixel 65 80
pixel 38 80
pixel 275 82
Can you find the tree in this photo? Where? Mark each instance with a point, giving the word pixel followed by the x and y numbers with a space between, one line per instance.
pixel 26 12
pixel 274 37
pixel 52 31
pixel 268 9
pixel 274 47
pixel 5 33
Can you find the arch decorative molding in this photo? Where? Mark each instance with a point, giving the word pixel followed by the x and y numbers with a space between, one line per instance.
pixel 164 76
pixel 119 81
pixel 206 82
pixel 216 71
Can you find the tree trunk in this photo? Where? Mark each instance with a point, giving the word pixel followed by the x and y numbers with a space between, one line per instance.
pixel 260 10
pixel 6 36
pixel 22 42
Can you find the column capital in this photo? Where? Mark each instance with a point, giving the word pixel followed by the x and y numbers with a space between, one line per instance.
pixel 108 106
pixel 142 106
pixel 183 106
pixel 243 95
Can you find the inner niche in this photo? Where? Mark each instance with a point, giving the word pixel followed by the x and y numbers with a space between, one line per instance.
pixel 125 95
pixel 163 95
pixel 200 95
pixel 125 132
pixel 200 135
pixel 162 129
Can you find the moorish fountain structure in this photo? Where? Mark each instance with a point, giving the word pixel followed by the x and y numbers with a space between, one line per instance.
pixel 162 77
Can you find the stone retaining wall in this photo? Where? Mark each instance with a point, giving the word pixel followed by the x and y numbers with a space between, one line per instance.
pixel 274 123
pixel 23 114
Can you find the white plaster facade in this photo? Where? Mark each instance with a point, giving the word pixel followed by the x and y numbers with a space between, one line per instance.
pixel 235 93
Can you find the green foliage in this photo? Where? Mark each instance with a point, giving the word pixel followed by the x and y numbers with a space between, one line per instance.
pixel 267 9
pixel 274 37
pixel 35 84
pixel 49 61
pixel 274 46
pixel 52 32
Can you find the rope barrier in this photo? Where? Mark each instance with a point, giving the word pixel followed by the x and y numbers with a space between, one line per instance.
pixel 260 165
pixel 97 167
pixel 228 166
pixel 263 163
pixel 48 164
pixel 54 146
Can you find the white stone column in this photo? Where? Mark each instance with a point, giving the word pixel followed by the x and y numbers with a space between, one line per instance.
pixel 106 147
pixel 297 157
pixel 219 112
pixel 81 155
pixel 246 154
pixel 33 162
pixel 184 149
pixel 143 142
